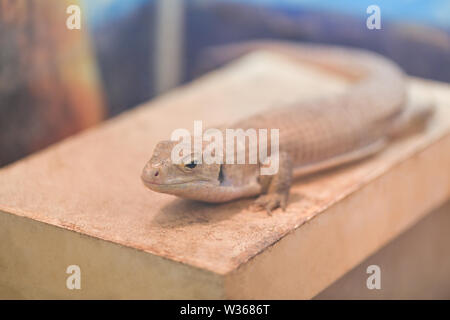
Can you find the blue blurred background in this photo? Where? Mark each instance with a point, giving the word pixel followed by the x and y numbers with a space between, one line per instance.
pixel 126 36
pixel 127 52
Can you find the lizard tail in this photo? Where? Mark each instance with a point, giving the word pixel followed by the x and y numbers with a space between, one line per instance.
pixel 413 119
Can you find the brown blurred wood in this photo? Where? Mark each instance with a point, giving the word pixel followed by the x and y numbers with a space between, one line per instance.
pixel 48 83
pixel 82 202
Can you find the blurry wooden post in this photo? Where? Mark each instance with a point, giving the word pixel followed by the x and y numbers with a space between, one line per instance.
pixel 169 44
pixel 49 87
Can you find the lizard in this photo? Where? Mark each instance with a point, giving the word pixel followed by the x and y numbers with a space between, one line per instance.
pixel 314 135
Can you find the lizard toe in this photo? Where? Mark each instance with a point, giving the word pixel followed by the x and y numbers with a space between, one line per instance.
pixel 270 202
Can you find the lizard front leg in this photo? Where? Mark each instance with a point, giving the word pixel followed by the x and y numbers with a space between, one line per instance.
pixel 275 187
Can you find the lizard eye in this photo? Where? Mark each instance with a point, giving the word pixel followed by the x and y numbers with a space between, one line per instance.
pixel 191 165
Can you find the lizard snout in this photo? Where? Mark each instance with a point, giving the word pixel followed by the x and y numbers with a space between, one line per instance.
pixel 151 175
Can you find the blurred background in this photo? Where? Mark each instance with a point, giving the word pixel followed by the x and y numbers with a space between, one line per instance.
pixel 55 81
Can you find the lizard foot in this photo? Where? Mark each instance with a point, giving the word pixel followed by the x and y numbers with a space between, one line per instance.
pixel 270 202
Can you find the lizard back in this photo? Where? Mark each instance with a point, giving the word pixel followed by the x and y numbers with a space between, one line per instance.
pixel 319 129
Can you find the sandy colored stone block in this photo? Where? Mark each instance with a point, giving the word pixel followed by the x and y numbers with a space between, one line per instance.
pixel 415 265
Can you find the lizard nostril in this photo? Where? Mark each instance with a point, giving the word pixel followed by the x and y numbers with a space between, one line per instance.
pixel 157 173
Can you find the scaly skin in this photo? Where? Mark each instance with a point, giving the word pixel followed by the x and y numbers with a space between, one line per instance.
pixel 314 135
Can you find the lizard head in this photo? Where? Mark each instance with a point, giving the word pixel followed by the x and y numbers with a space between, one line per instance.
pixel 188 179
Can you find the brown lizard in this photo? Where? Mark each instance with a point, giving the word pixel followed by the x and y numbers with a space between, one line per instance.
pixel 313 135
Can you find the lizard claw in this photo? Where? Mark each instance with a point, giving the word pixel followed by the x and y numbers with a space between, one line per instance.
pixel 270 202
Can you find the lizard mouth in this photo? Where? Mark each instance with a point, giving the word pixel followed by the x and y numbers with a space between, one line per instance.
pixel 156 185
